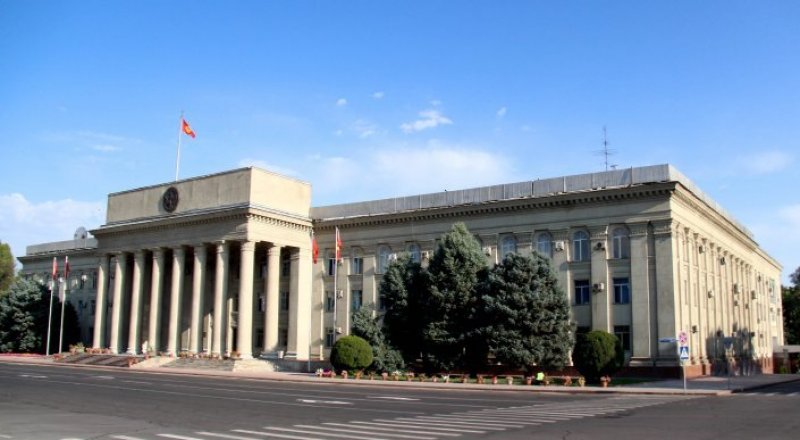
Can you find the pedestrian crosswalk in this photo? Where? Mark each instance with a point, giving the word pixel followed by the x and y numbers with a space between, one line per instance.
pixel 446 426
pixel 770 394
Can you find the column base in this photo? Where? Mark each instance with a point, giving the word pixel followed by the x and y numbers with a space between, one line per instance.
pixel 277 354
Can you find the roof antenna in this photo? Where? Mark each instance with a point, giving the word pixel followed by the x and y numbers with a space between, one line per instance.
pixel 606 152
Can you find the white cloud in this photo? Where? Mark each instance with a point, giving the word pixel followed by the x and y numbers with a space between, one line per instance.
pixel 364 129
pixel 436 103
pixel 501 112
pixel 341 102
pixel 249 162
pixel 429 119
pixel 766 162
pixel 378 95
pixel 105 148
pixel 23 223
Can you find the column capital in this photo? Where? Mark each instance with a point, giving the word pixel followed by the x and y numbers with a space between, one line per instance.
pixel 178 251
pixel 248 246
pixel 274 250
pixel 663 227
pixel 637 229
pixel 598 232
pixel 200 247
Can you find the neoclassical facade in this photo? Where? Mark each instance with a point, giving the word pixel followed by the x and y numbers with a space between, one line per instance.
pixel 223 263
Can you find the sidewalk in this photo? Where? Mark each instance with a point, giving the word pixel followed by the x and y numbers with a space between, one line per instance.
pixel 707 385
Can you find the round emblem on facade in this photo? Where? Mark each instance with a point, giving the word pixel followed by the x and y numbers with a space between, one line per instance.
pixel 170 199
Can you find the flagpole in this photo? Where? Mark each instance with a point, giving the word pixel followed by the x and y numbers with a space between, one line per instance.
pixel 50 317
pixel 335 283
pixel 178 154
pixel 61 330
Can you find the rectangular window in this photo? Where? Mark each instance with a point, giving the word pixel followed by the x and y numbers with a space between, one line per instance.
pixel 329 336
pixel 623 333
pixel 284 299
pixel 329 301
pixel 331 266
pixel 355 300
pixel 622 291
pixel 583 292
pixel 358 266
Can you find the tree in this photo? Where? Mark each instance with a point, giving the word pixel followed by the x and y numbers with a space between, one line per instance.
pixel 23 319
pixel 6 267
pixel 402 289
pixel 351 353
pixel 452 280
pixel 525 314
pixel 791 309
pixel 384 357
pixel 597 354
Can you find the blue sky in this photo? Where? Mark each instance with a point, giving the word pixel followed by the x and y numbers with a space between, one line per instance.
pixel 372 99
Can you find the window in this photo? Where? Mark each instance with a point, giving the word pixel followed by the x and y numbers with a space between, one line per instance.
pixel 356 299
pixel 329 336
pixel 580 246
pixel 383 259
pixel 357 268
pixel 508 246
pixel 621 243
pixel 622 291
pixel 331 264
pixel 329 301
pixel 544 244
pixel 415 253
pixel 583 292
pixel 623 333
pixel 284 299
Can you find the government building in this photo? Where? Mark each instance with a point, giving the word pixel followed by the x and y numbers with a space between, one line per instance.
pixel 223 264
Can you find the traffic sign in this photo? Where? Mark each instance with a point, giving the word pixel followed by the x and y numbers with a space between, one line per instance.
pixel 667 340
pixel 683 353
pixel 683 338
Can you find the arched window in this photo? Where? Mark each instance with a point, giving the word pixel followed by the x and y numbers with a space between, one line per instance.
pixel 580 246
pixel 508 246
pixel 415 253
pixel 621 243
pixel 383 258
pixel 544 244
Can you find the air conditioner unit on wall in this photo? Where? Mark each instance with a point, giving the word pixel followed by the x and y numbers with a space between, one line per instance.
pixel 600 246
pixel 598 287
pixel 559 245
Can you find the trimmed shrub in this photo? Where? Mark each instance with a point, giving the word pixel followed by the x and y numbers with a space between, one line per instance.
pixel 351 353
pixel 597 354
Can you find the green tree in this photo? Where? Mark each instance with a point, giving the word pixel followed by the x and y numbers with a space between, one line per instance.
pixel 23 319
pixel 525 314
pixel 449 308
pixel 791 309
pixel 402 290
pixel 351 353
pixel 6 267
pixel 366 326
pixel 597 354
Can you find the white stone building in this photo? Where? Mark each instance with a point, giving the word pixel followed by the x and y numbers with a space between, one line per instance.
pixel 223 263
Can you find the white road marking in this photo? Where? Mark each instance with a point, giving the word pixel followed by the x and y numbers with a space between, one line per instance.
pixel 328 402
pixel 5 436
pixel 429 426
pixel 137 381
pixel 385 427
pixel 451 419
pixel 125 437
pixel 275 435
pixel 33 376
pixel 444 421
pixel 233 437
pixel 355 430
pixel 326 434
pixel 792 394
pixel 394 398
pixel 179 437
pixel 104 377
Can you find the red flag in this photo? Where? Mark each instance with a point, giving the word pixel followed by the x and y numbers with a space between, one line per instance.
pixel 55 270
pixel 338 245
pixel 66 268
pixel 314 248
pixel 186 129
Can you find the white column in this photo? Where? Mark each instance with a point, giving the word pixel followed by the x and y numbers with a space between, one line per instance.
pixel 272 294
pixel 173 337
pixel 640 295
pixel 120 264
pixel 300 305
pixel 220 293
pixel 244 329
pixel 100 303
pixel 667 283
pixel 156 281
pixel 136 302
pixel 198 290
pixel 601 301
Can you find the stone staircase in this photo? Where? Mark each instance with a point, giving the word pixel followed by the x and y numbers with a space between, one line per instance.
pixel 107 360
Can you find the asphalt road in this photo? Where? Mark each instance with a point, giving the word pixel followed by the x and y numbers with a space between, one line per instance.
pixel 39 402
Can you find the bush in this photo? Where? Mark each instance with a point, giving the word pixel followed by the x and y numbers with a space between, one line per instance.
pixel 597 354
pixel 351 353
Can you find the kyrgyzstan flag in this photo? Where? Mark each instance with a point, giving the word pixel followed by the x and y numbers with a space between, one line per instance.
pixel 55 270
pixel 186 128
pixel 338 245
pixel 314 248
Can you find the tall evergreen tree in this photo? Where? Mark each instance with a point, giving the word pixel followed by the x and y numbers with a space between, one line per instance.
pixel 791 309
pixel 453 276
pixel 402 290
pixel 524 314
pixel 6 267
pixel 367 326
